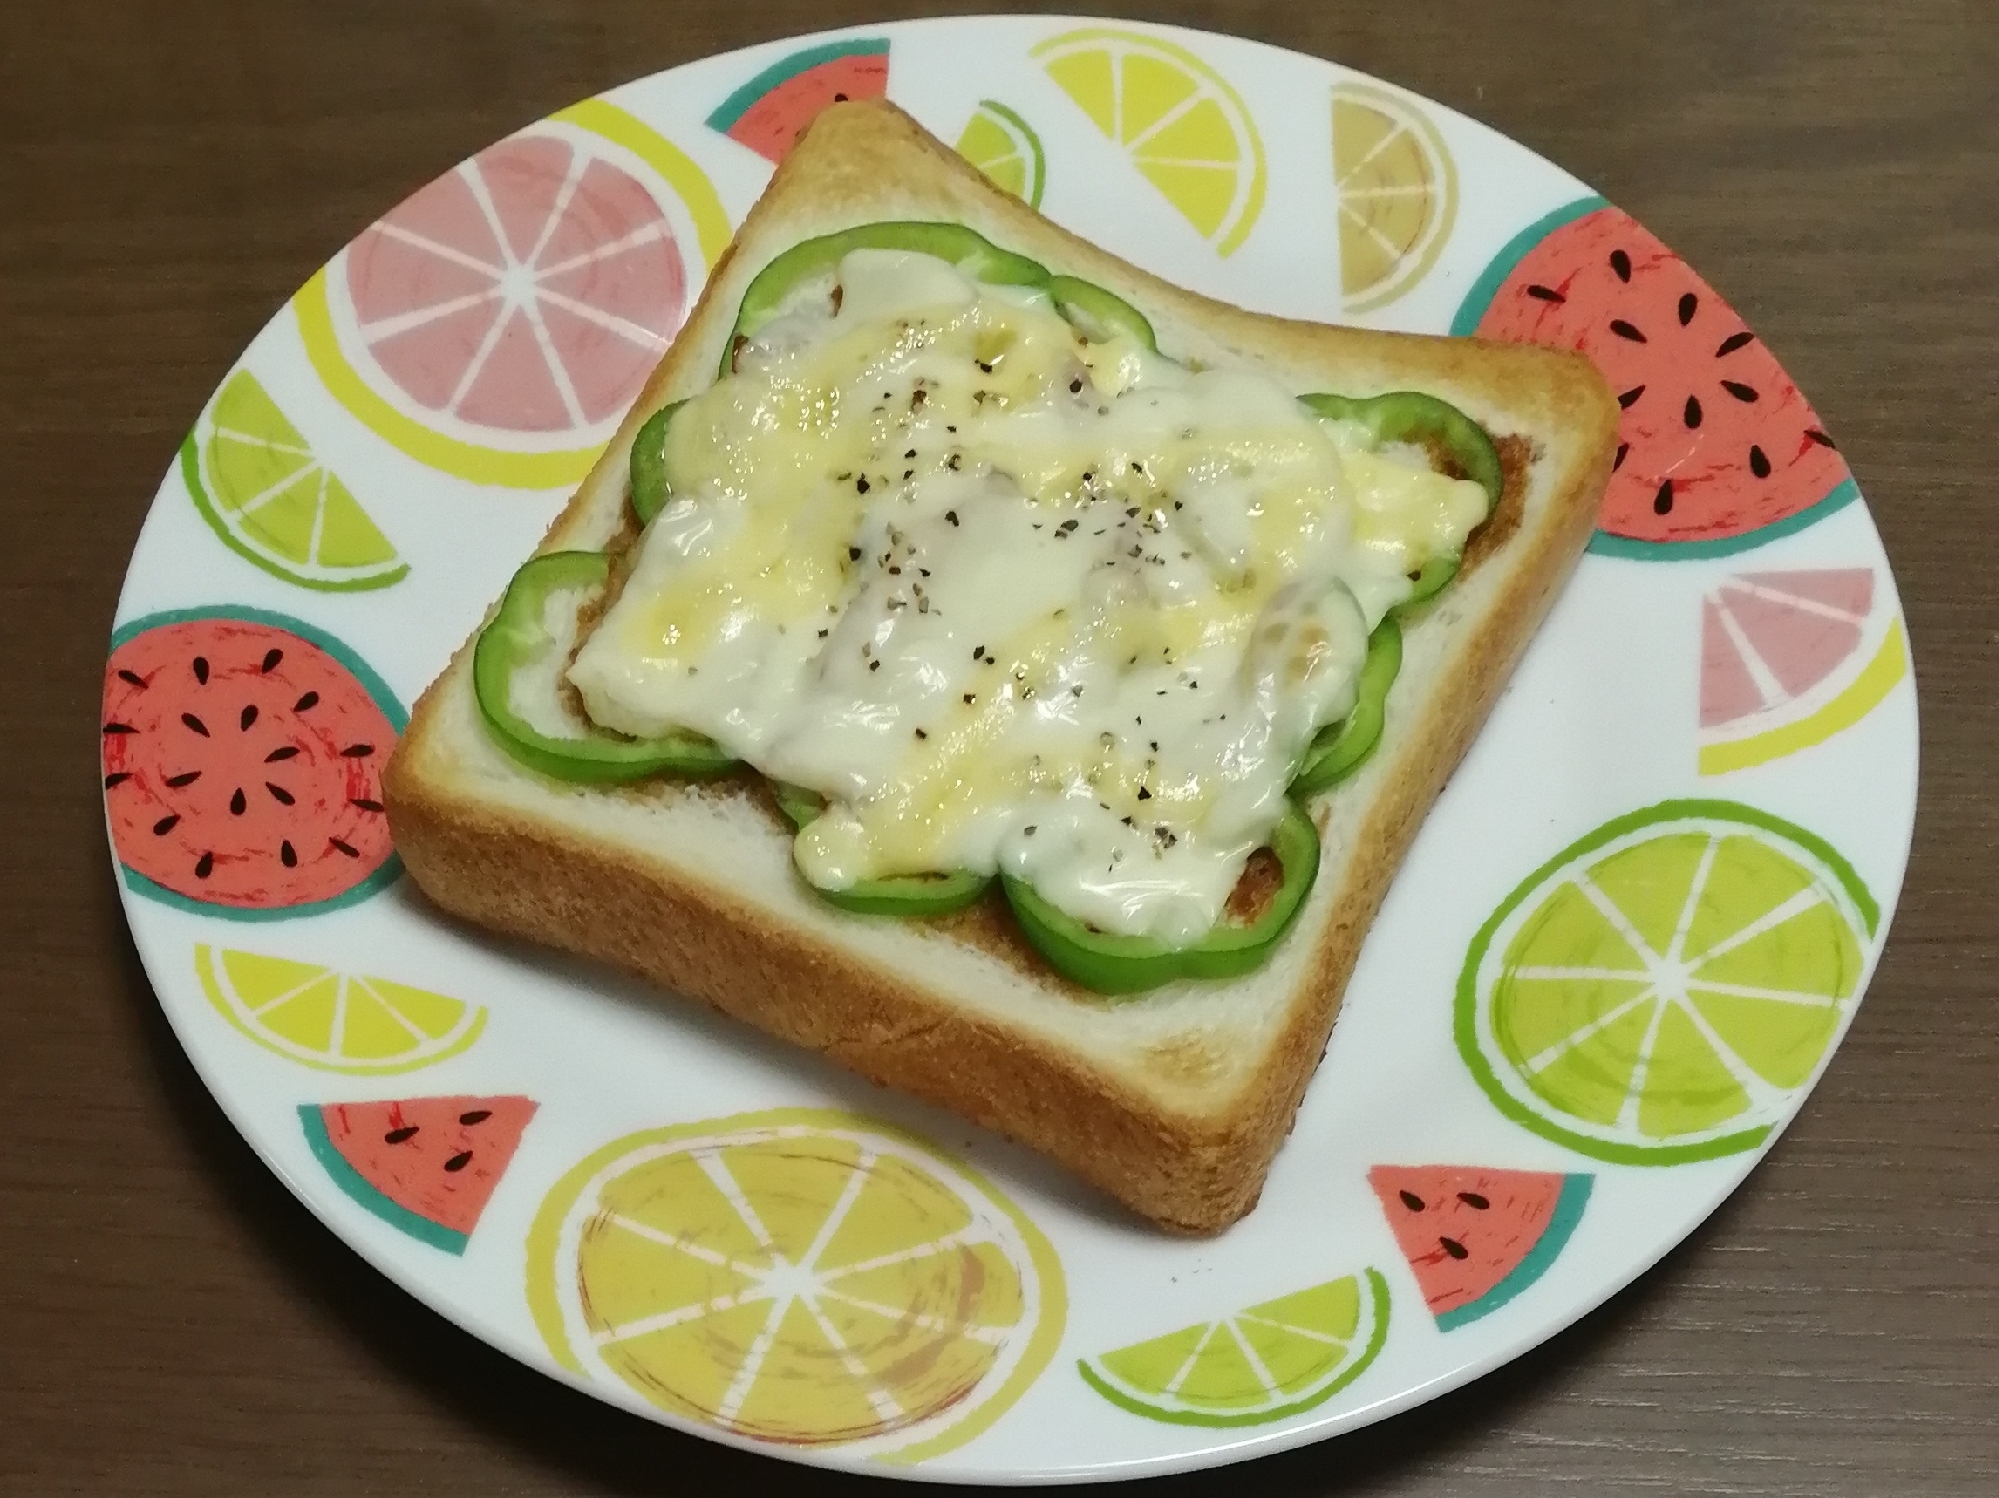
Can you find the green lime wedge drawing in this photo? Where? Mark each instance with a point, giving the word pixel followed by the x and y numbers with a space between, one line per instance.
pixel 1003 146
pixel 1275 1359
pixel 260 487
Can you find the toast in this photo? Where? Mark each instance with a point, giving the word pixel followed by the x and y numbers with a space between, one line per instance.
pixel 1174 1103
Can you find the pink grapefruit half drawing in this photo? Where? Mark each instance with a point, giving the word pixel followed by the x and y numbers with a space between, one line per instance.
pixel 1788 659
pixel 498 323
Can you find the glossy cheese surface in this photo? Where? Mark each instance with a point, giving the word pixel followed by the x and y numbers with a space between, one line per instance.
pixel 1012 601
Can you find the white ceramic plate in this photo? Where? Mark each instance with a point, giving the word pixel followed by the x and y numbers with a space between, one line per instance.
pixel 1630 935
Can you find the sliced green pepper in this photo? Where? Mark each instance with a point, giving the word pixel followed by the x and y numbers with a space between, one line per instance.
pixel 519 637
pixel 1411 416
pixel 1429 582
pixel 1114 964
pixel 911 895
pixel 1342 747
pixel 1097 314
pixel 974 254
pixel 649 487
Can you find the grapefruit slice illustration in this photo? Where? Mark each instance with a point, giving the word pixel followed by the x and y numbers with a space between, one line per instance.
pixel 1788 659
pixel 497 324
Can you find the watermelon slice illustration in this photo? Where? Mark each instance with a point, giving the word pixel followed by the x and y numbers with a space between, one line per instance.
pixel 243 754
pixel 1788 659
pixel 425 1165
pixel 771 111
pixel 1476 1237
pixel 1717 450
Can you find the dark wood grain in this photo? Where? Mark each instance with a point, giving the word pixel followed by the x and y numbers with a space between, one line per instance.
pixel 173 1322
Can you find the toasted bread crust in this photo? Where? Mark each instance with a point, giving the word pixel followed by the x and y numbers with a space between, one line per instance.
pixel 1187 1160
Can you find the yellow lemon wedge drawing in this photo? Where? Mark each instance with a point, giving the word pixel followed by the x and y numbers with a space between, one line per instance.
pixel 802 1276
pixel 333 1021
pixel 1185 128
pixel 1398 193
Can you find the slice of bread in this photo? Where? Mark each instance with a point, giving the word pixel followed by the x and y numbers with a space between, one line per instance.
pixel 1174 1102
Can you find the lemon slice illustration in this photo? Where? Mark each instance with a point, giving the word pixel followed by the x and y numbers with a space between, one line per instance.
pixel 1398 194
pixel 1184 127
pixel 332 1021
pixel 1003 146
pixel 262 490
pixel 1261 1364
pixel 801 1276
pixel 1663 989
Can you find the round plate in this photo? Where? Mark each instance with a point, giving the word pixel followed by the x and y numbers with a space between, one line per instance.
pixel 1629 937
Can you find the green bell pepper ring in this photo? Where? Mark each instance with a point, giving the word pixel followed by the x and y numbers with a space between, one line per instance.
pixel 1098 315
pixel 1114 964
pixel 1342 747
pixel 519 637
pixel 911 895
pixel 974 254
pixel 649 489
pixel 1430 580
pixel 1411 416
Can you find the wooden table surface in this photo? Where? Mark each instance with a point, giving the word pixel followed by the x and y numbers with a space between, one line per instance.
pixel 174 1322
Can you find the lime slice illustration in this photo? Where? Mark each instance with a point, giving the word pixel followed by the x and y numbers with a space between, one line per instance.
pixel 1398 193
pixel 1261 1364
pixel 332 1021
pixel 258 484
pixel 1184 127
pixel 1663 990
pixel 801 1276
pixel 1003 146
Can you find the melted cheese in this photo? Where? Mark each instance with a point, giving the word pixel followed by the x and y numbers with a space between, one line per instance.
pixel 1009 600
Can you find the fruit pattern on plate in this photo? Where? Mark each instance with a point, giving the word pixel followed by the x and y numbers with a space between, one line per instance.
pixel 1397 188
pixel 770 111
pixel 1183 126
pixel 333 1021
pixel 1476 1236
pixel 263 491
pixel 497 323
pixel 1788 659
pixel 426 1166
pixel 1004 146
pixel 1662 989
pixel 1717 448
pixel 1268 1361
pixel 804 1276
pixel 243 754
